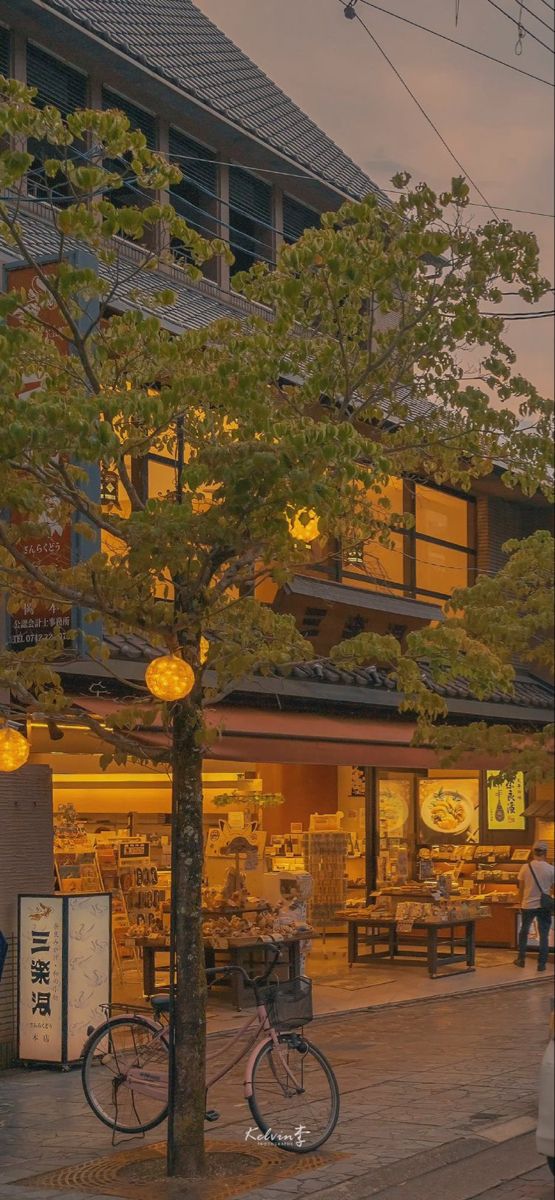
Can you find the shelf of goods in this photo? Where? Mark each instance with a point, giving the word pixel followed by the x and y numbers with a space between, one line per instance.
pixel 490 873
pixel 324 855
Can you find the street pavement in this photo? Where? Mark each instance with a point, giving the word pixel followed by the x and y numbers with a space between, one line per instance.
pixel 438 1101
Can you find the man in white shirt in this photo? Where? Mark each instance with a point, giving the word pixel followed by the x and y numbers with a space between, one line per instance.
pixel 535 877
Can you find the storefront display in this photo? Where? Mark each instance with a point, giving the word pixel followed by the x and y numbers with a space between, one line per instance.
pixel 288 848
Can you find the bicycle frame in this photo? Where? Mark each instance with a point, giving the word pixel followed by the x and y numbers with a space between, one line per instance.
pixel 154 1083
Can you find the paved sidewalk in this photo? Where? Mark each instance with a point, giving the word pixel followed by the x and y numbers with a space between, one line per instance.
pixel 438 1100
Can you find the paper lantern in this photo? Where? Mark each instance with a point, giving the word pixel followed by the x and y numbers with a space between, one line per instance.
pixel 304 525
pixel 169 678
pixel 204 649
pixel 14 749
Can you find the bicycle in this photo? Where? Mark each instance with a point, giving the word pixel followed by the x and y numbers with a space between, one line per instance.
pixel 289 1085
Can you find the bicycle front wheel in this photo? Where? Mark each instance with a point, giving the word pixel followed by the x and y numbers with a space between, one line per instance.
pixel 116 1048
pixel 295 1097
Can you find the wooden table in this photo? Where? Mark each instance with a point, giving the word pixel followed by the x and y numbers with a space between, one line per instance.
pixel 252 955
pixel 377 930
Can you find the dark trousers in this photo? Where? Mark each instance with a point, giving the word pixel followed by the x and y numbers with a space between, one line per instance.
pixel 543 918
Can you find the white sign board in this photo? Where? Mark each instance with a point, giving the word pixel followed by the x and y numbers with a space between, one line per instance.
pixel 64 973
pixel 88 959
pixel 40 978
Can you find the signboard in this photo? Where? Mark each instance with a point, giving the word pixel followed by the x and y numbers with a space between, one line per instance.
pixel 40 978
pixel 30 620
pixel 448 810
pixel 506 802
pixel 88 975
pixel 64 961
pixel 134 849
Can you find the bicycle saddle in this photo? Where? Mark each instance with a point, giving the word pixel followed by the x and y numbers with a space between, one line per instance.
pixel 160 1004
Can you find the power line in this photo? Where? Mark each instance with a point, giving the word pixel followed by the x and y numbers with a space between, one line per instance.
pixel 349 6
pixel 520 26
pixel 535 16
pixel 520 316
pixel 455 42
pixel 527 212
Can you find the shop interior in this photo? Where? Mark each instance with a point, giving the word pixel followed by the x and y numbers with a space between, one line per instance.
pixel 290 850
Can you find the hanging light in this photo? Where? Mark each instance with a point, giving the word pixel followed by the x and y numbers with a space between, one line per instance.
pixel 204 649
pixel 14 749
pixel 169 677
pixel 304 525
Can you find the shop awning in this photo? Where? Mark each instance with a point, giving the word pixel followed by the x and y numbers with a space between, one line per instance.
pixel 257 735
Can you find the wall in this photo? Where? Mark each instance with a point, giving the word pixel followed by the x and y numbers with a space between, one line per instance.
pixel 497 521
pixel 307 789
pixel 26 865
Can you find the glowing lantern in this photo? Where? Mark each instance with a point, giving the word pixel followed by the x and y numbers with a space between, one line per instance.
pixel 204 649
pixel 14 749
pixel 169 678
pixel 304 525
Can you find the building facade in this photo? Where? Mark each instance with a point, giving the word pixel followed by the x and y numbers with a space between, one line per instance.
pixel 257 172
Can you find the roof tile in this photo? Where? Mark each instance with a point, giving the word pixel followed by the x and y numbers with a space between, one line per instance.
pixel 178 42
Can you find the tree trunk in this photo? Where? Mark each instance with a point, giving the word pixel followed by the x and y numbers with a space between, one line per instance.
pixel 187 1069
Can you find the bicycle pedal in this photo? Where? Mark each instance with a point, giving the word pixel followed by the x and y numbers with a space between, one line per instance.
pixel 211 1115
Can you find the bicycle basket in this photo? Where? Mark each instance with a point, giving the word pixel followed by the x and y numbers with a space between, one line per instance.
pixel 289 1004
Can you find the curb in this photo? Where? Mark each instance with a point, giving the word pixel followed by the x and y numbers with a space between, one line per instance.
pixel 494 987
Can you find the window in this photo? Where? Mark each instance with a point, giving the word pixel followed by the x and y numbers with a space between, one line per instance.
pixel 372 564
pixel 297 218
pixel 250 219
pixel 439 570
pixel 426 562
pixel 129 194
pixel 195 197
pixel 441 516
pixel 443 549
pixel 66 89
pixel 161 477
pixel 5 52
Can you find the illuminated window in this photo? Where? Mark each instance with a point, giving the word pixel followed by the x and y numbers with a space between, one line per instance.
pixel 443 553
pixel 441 516
pixel 161 478
pixel 372 564
pixel 426 562
pixel 439 570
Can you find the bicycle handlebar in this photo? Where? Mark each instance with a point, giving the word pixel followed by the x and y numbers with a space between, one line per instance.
pixel 253 981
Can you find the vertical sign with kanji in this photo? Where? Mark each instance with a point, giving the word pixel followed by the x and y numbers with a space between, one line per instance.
pixel 65 973
pixel 32 620
pixel 40 978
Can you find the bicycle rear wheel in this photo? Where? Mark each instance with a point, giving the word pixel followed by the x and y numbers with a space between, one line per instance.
pixel 295 1097
pixel 113 1050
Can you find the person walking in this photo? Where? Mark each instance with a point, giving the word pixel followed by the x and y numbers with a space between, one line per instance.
pixel 535 882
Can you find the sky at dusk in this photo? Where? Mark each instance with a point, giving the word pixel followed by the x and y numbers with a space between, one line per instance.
pixel 499 124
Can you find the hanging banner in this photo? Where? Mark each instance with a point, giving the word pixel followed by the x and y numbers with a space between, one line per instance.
pixel 506 802
pixel 30 621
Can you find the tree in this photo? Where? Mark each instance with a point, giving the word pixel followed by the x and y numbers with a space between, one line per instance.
pixel 282 424
pixel 512 614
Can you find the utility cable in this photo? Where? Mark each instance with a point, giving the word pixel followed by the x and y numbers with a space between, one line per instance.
pixel 519 26
pixel 524 7
pixel 463 45
pixel 349 6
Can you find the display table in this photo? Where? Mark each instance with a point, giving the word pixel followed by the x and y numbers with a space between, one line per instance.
pixel 461 947
pixel 251 954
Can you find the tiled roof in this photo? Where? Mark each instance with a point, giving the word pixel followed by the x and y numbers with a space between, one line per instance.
pixel 529 691
pixel 178 42
pixel 196 305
